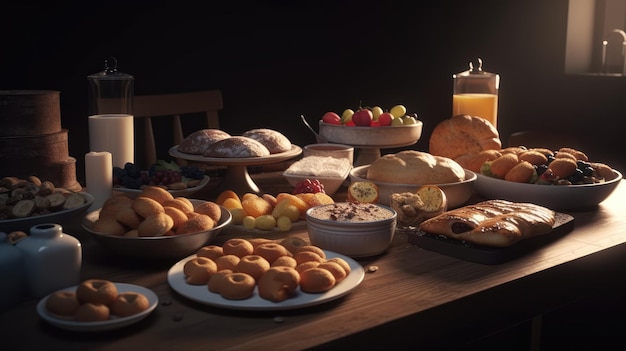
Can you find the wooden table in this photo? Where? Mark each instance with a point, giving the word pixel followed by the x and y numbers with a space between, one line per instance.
pixel 415 297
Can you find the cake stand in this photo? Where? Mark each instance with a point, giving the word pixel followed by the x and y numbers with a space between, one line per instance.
pixel 237 177
pixel 369 140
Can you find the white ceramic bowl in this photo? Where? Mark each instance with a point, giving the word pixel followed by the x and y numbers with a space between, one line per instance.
pixel 390 136
pixel 556 197
pixel 456 193
pixel 158 247
pixel 330 149
pixel 331 184
pixel 354 239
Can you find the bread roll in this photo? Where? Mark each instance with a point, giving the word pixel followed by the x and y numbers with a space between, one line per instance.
pixel 197 142
pixel 463 134
pixel 237 147
pixel 273 140
pixel 415 167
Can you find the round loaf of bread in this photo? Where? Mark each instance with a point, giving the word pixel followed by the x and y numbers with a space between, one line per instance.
pixel 463 134
pixel 197 142
pixel 273 140
pixel 237 147
pixel 415 167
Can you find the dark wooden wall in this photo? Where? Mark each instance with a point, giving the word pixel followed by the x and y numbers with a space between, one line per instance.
pixel 276 60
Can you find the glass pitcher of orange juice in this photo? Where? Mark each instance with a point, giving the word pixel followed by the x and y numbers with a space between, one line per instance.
pixel 476 93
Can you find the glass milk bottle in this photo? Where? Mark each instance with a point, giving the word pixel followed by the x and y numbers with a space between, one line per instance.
pixel 476 93
pixel 111 126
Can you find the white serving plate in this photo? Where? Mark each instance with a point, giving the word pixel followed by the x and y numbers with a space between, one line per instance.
pixel 24 224
pixel 132 193
pixel 113 323
pixel 200 293
pixel 556 197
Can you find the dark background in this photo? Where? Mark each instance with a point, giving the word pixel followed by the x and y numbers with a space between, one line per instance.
pixel 276 60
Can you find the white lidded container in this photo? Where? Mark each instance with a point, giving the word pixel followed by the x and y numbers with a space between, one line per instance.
pixel 52 259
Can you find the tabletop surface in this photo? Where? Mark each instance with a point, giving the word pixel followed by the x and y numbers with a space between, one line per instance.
pixel 413 294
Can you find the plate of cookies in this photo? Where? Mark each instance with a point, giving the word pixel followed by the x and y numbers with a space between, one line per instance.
pixel 231 277
pixel 97 305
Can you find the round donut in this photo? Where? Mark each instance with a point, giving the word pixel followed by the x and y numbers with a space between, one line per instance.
pixel 227 262
pixel 306 265
pixel 293 243
pixel 210 251
pixel 286 261
pixel 279 283
pixel 305 256
pixel 198 270
pixel 253 265
pixel 463 134
pixel 156 193
pixel 89 312
pixel 238 247
pixel 335 268
pixel 63 303
pixel 155 225
pixel 313 248
pixel 237 286
pixel 316 280
pixel 145 206
pixel 96 291
pixel 129 303
pixel 258 241
pixel 196 223
pixel 218 280
pixel 271 251
pixel 210 209
pixel 343 263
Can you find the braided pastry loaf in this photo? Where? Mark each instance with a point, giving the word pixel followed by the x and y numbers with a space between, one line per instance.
pixel 498 223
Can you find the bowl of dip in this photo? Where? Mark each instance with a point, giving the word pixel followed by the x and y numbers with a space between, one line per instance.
pixel 352 229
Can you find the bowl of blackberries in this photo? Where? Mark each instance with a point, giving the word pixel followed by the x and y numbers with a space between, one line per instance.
pixel 178 180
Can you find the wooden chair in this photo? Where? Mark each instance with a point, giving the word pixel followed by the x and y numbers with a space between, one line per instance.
pixel 180 113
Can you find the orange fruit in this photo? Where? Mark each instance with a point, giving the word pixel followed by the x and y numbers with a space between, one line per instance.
pixel 434 199
pixel 363 192
pixel 226 194
pixel 231 203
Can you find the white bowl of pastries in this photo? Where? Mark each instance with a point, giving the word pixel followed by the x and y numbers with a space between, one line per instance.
pixel 137 228
pixel 352 229
pixel 407 170
pixel 330 171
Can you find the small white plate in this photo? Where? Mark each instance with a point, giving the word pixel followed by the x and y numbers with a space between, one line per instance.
pixel 132 193
pixel 113 323
pixel 200 293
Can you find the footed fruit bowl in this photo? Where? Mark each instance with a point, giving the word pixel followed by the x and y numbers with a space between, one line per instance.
pixel 370 140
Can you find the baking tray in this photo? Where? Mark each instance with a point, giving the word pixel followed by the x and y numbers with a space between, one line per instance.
pixel 564 224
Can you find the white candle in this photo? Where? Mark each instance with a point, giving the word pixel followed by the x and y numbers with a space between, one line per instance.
pixel 113 133
pixel 99 177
